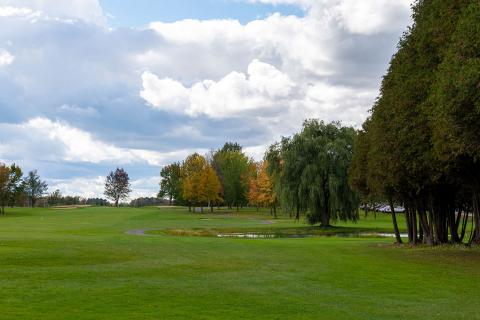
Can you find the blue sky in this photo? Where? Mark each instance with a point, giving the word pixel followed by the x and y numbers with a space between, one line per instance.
pixel 90 85
pixel 141 12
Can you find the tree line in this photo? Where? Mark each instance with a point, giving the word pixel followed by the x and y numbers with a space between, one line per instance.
pixel 306 174
pixel 420 147
pixel 16 190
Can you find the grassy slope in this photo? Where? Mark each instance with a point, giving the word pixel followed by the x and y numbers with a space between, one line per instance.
pixel 80 264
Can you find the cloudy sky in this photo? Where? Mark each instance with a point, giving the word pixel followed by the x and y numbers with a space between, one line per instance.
pixel 89 85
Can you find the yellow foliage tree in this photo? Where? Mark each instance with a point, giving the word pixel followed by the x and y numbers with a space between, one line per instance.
pixel 262 191
pixel 200 183
pixel 253 196
pixel 211 187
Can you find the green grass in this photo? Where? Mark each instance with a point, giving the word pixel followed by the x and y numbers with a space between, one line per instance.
pixel 81 264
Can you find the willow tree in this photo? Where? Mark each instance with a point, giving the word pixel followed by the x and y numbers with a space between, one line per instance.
pixel 314 172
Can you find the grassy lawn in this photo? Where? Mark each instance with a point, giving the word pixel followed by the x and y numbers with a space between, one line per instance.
pixel 81 264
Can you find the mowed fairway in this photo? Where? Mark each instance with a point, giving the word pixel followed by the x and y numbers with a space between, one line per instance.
pixel 81 264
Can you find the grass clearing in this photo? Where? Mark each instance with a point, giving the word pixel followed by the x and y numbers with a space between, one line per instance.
pixel 81 264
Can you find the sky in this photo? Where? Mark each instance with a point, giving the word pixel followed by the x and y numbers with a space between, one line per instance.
pixel 91 85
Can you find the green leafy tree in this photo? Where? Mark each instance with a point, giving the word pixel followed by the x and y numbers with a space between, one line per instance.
pixel 117 185
pixel 16 185
pixel 233 169
pixel 313 172
pixel 170 185
pixel 455 102
pixel 35 188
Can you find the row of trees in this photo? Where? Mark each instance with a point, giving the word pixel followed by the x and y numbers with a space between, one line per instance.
pixel 303 174
pixel 223 177
pixel 421 146
pixel 18 190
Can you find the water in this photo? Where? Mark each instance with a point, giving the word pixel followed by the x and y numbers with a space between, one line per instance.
pixel 251 235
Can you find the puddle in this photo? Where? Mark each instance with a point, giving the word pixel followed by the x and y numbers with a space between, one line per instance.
pixel 275 235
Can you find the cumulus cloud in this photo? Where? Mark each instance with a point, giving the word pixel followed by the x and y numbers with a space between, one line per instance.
pixel 88 11
pixel 57 139
pixel 263 87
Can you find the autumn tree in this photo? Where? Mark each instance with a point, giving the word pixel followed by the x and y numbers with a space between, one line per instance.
pixel 200 183
pixel 262 191
pixel 117 185
pixel 211 187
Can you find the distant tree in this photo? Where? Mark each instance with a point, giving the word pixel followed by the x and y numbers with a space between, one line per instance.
pixel 191 177
pixel 231 147
pixel 117 185
pixel 147 201
pixel 211 187
pixel 4 182
pixel 170 185
pixel 266 190
pixel 34 187
pixel 96 202
pixel 233 169
pixel 15 186
pixel 54 198
pixel 253 195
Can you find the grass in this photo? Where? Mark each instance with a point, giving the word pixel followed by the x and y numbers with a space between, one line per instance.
pixel 81 264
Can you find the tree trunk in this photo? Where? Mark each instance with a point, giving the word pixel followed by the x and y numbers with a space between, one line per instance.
pixel 116 202
pixel 274 211
pixel 476 218
pixel 170 201
pixel 211 208
pixel 395 225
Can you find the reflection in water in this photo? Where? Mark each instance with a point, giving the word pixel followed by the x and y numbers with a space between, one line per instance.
pixel 276 235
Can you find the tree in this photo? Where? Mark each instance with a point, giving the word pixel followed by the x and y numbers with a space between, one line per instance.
pixel 400 156
pixel 233 168
pixel 16 185
pixel 170 185
pixel 54 198
pixel 191 176
pixel 455 103
pixel 261 188
pixel 211 186
pixel 34 187
pixel 200 183
pixel 117 185
pixel 312 167
pixel 4 182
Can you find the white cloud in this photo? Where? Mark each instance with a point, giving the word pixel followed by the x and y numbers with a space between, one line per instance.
pixel 62 141
pixel 357 16
pixel 6 58
pixel 235 94
pixel 9 11
pixel 92 187
pixel 88 11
